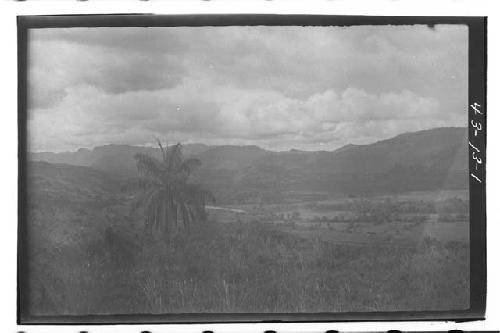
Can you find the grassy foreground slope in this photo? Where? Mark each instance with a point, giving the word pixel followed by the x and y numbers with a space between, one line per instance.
pixel 88 256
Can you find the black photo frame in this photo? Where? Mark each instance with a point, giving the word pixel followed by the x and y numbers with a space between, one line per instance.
pixel 477 145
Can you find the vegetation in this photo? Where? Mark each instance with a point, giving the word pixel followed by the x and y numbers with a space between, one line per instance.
pixel 170 201
pixel 449 205
pixel 252 267
pixel 86 253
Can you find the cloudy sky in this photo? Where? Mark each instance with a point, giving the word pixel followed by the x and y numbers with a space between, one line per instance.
pixel 313 88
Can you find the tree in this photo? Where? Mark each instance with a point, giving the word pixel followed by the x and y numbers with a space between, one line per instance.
pixel 171 202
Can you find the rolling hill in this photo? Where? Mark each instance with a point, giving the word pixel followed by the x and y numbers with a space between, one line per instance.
pixel 117 159
pixel 424 160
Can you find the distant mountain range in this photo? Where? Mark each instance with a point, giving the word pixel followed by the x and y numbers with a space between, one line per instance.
pixel 118 159
pixel 429 159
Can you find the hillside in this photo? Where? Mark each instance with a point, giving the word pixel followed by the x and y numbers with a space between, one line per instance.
pixel 424 160
pixel 116 159
pixel 436 148
pixel 72 205
pixel 68 183
pixel 88 252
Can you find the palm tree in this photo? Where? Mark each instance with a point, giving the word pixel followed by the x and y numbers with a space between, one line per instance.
pixel 170 201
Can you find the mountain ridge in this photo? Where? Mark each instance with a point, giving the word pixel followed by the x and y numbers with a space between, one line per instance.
pixel 424 160
pixel 194 148
pixel 444 147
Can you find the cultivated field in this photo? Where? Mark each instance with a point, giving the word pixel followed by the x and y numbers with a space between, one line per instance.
pixel 402 220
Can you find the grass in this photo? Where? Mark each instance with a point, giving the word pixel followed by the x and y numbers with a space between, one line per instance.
pixel 243 267
pixel 87 255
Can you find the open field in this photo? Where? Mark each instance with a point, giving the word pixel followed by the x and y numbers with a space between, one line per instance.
pixel 89 254
pixel 409 218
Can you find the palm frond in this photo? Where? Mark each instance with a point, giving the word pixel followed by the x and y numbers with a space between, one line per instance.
pixel 165 193
pixel 148 165
pixel 142 183
pixel 174 157
pixel 162 149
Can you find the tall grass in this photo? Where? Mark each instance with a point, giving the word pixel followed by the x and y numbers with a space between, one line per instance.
pixel 246 267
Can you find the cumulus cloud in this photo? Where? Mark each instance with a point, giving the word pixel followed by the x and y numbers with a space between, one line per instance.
pixel 277 87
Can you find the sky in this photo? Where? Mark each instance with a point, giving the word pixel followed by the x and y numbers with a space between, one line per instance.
pixel 311 88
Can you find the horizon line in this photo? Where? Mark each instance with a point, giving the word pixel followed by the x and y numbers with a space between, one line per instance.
pixel 241 145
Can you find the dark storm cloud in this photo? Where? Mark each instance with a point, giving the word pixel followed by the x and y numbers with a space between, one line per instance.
pixel 278 87
pixel 59 64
